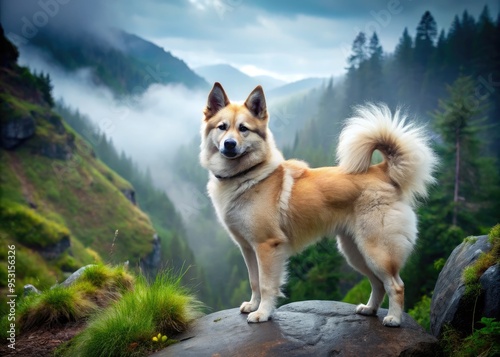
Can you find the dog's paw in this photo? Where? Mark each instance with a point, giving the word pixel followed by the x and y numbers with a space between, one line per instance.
pixel 247 307
pixel 365 310
pixel 258 316
pixel 391 321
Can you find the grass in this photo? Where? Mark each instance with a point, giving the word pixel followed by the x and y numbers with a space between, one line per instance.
pixel 126 328
pixel 29 227
pixel 127 315
pixel 54 307
pixel 98 286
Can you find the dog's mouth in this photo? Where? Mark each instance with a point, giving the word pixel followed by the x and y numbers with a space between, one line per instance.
pixel 232 154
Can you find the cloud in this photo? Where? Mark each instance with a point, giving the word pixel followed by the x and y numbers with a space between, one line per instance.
pixel 293 38
pixel 149 128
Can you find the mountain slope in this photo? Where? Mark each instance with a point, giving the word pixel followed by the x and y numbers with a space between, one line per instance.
pixel 237 84
pixel 125 63
pixel 60 206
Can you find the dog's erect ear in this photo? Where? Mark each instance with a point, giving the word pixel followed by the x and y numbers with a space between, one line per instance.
pixel 256 103
pixel 217 99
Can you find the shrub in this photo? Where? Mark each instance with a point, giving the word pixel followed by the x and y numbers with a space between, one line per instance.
pixel 421 312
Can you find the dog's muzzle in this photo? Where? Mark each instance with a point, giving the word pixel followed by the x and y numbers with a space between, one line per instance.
pixel 230 149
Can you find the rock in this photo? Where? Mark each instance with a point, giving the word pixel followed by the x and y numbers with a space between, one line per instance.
pixel 130 194
pixel 30 289
pixel 151 262
pixel 449 306
pixel 490 282
pixel 54 150
pixel 72 278
pixel 308 328
pixel 53 251
pixel 13 132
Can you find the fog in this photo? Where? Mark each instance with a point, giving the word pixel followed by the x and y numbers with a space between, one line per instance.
pixel 149 127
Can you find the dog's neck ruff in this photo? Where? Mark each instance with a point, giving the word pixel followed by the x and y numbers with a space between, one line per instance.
pixel 239 174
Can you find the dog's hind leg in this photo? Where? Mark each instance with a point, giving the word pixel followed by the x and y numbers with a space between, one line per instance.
pixel 349 249
pixel 271 256
pixel 253 276
pixel 386 265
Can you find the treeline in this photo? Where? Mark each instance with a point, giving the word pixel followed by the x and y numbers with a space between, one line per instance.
pixel 449 80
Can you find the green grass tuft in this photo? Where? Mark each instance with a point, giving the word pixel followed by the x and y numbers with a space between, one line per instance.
pixel 54 307
pixel 127 327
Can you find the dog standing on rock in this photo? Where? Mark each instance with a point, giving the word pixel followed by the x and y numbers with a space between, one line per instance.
pixel 273 207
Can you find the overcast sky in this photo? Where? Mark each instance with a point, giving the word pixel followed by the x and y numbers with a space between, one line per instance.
pixel 287 39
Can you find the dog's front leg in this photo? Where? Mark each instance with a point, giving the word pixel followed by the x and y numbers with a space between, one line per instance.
pixel 271 257
pixel 253 276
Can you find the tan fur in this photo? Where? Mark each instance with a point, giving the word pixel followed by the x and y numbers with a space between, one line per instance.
pixel 274 208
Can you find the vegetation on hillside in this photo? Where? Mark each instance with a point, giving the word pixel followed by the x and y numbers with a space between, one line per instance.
pixel 60 205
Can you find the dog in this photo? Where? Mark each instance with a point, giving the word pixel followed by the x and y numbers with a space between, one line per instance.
pixel 273 208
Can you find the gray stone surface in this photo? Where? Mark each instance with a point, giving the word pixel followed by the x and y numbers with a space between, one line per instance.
pixel 449 306
pixel 53 251
pixel 490 282
pixel 151 262
pixel 308 328
pixel 13 132
pixel 30 289
pixel 72 278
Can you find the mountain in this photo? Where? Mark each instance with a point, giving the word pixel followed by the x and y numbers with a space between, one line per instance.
pixel 60 206
pixel 297 87
pixel 125 63
pixel 237 84
pixel 269 82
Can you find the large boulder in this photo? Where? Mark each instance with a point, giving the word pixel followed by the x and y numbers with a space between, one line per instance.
pixel 449 304
pixel 308 328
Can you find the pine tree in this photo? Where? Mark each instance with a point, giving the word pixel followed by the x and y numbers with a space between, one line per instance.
pixel 458 122
pixel 359 51
pixel 374 75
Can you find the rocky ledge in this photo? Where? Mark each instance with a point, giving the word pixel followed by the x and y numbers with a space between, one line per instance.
pixel 308 328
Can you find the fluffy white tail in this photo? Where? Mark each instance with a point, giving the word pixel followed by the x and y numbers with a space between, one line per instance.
pixel 405 147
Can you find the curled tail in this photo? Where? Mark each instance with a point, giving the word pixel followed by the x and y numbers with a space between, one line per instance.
pixel 410 160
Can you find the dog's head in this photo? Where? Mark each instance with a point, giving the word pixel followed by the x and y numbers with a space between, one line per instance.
pixel 234 136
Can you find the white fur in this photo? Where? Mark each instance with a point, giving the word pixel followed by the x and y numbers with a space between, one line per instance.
pixel 410 166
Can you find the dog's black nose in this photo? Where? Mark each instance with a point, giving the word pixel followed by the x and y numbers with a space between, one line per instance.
pixel 229 144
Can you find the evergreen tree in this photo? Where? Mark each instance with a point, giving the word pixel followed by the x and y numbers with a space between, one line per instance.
pixel 425 37
pixel 458 122
pixel 359 51
pixel 374 74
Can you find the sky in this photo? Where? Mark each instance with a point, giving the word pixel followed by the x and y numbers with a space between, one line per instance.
pixel 289 40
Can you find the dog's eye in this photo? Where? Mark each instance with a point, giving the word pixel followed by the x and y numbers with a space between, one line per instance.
pixel 223 126
pixel 243 128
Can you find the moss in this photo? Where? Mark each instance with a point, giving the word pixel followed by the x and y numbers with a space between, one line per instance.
pixel 28 227
pixel 473 272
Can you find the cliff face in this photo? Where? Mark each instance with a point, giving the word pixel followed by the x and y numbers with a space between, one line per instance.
pixel 59 205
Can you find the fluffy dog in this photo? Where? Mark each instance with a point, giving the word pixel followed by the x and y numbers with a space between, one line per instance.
pixel 273 207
